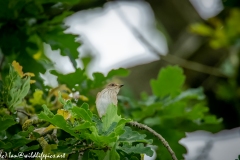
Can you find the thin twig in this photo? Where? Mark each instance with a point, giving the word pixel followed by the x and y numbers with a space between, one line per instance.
pixel 169 57
pixel 193 65
pixel 27 114
pixel 54 136
pixel 164 142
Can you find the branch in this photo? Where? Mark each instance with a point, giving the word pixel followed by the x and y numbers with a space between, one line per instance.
pixel 27 114
pixel 193 65
pixel 164 142
pixel 29 122
pixel 54 136
pixel 169 57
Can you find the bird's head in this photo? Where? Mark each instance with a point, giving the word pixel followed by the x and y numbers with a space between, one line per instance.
pixel 114 87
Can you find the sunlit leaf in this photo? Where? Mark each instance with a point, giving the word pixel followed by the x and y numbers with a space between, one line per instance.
pixel 112 154
pixel 17 68
pixel 66 114
pixel 201 29
pixel 169 81
pixel 82 112
pixel 110 117
pixel 37 98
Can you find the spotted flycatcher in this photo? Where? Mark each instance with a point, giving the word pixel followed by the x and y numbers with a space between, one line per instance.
pixel 106 97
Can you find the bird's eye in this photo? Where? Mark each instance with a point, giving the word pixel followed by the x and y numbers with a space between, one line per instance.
pixel 112 84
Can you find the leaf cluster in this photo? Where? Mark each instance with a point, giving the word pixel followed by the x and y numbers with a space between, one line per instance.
pixel 172 111
pixel 13 89
pixel 80 130
pixel 223 33
pixel 62 120
pixel 90 135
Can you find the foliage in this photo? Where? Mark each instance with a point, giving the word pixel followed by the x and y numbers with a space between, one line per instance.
pixel 173 112
pixel 108 133
pixel 27 24
pixel 86 131
pixel 81 131
pixel 35 117
pixel 222 32
pixel 14 88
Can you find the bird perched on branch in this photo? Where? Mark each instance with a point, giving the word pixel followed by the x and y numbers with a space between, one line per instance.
pixel 106 97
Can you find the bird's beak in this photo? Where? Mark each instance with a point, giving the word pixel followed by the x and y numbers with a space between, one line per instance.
pixel 120 85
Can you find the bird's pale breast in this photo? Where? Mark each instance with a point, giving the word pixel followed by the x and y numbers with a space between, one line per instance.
pixel 104 99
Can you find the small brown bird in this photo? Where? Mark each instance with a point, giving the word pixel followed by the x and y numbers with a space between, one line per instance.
pixel 106 97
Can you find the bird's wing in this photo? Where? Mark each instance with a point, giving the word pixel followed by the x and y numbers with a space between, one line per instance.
pixel 97 96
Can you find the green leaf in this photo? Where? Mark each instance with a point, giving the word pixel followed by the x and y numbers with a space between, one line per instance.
pixel 139 148
pixel 60 18
pixel 64 149
pixel 69 2
pixel 99 124
pixel 110 117
pixel 111 128
pixel 37 98
pixel 15 89
pixel 58 121
pixel 99 153
pixel 175 110
pixel 112 154
pixel 3 135
pixel 100 140
pixel 118 72
pixel 83 125
pixel 119 128
pixel 6 122
pixel 99 79
pixel 21 138
pixel 152 121
pixel 201 29
pixel 30 148
pixel 65 42
pixel 66 146
pixel 130 136
pixel 169 81
pixel 47 111
pixel 68 105
pixel 212 119
pixel 197 112
pixel 60 99
pixel 86 60
pixel 147 110
pixel 6 145
pixel 82 112
pixel 71 79
pixel 193 93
